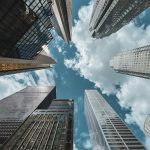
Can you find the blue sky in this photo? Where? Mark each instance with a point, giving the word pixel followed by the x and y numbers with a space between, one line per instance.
pixel 83 64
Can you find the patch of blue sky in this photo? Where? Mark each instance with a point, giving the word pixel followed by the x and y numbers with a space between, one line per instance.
pixel 71 85
pixel 143 19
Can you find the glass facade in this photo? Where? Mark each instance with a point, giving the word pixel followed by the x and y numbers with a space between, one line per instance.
pixel 13 65
pixel 23 67
pixel 134 62
pixel 17 107
pixel 147 125
pixel 46 129
pixel 107 130
pixel 38 35
pixel 110 15
pixel 62 19
pixel 21 104
pixel 24 24
pixel 7 128
pixel 15 20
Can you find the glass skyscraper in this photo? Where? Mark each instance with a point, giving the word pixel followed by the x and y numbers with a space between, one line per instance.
pixel 45 129
pixel 24 27
pixel 15 108
pixel 13 65
pixel 106 128
pixel 147 125
pixel 34 119
pixel 109 16
pixel 135 62
pixel 15 20
pixel 62 18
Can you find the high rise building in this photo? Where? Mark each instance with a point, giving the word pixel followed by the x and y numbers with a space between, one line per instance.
pixel 109 16
pixel 24 27
pixel 17 107
pixel 50 128
pixel 62 19
pixel 13 65
pixel 134 62
pixel 106 128
pixel 147 125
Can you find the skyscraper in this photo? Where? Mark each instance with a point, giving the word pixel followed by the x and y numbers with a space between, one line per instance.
pixel 134 62
pixel 109 16
pixel 24 27
pixel 106 128
pixel 13 65
pixel 17 107
pixel 50 128
pixel 147 125
pixel 62 19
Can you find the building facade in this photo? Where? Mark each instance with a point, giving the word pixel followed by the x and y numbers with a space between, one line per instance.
pixel 135 62
pixel 109 16
pixel 17 107
pixel 13 65
pixel 50 128
pixel 62 19
pixel 106 128
pixel 7 128
pixel 147 125
pixel 24 27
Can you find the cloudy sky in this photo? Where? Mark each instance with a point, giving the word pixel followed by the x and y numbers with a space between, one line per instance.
pixel 84 64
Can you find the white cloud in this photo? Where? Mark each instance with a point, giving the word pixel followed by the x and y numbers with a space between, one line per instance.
pixel 92 58
pixel 147 141
pixel 135 93
pixel 87 144
pixel 45 48
pixel 92 62
pixel 59 49
pixel 10 84
pixel 74 147
pixel 45 77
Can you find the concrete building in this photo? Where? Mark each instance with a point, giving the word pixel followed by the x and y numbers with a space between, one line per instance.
pixel 14 65
pixel 109 16
pixel 135 62
pixel 106 128
pixel 62 19
pixel 147 125
pixel 50 128
pixel 15 108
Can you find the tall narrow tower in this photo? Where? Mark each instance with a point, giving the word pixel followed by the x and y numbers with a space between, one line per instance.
pixel 62 19
pixel 109 16
pixel 147 125
pixel 107 130
pixel 135 62
pixel 45 129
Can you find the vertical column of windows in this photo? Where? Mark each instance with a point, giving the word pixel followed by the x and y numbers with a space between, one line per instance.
pixel 38 35
pixel 113 130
